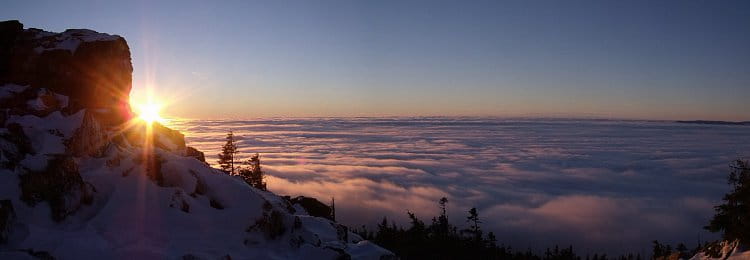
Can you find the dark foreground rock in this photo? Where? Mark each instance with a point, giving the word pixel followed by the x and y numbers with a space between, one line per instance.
pixel 312 205
pixel 92 69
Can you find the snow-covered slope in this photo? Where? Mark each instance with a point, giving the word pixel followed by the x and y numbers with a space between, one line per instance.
pixel 77 182
pixel 724 250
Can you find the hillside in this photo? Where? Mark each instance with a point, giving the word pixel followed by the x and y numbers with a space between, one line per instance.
pixel 81 178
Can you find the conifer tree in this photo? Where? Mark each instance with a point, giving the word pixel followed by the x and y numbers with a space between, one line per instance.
pixel 492 239
pixel 442 221
pixel 474 229
pixel 253 174
pixel 733 216
pixel 228 151
pixel 658 249
pixel 443 202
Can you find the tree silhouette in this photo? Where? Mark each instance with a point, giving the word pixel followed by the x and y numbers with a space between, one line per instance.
pixel 226 157
pixel 733 216
pixel 473 230
pixel 658 249
pixel 333 209
pixel 442 221
pixel 683 250
pixel 443 201
pixel 253 174
pixel 492 239
pixel 440 240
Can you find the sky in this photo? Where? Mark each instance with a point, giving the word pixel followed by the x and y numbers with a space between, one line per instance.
pixel 601 59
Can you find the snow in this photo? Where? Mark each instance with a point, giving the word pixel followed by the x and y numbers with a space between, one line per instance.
pixel 365 249
pixel 55 122
pixel 132 217
pixel 71 39
pixel 729 251
pixel 36 162
pixel 36 104
pixel 42 34
pixel 183 208
pixel 10 90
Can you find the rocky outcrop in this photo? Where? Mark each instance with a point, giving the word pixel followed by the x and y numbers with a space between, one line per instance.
pixel 89 139
pixel 312 206
pixel 14 145
pixel 198 155
pixel 156 135
pixel 168 139
pixel 92 69
pixel 60 185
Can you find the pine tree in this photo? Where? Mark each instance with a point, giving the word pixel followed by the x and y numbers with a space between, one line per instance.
pixel 442 221
pixel 253 174
pixel 658 249
pixel 226 157
pixel 491 239
pixel 383 231
pixel 733 216
pixel 443 202
pixel 474 230
pixel 257 173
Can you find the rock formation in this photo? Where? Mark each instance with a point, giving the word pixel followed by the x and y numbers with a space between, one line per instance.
pixel 92 69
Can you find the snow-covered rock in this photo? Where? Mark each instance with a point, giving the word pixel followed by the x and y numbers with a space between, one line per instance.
pixel 93 70
pixel 727 250
pixel 78 183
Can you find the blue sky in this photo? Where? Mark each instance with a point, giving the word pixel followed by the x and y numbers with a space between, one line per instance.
pixel 246 59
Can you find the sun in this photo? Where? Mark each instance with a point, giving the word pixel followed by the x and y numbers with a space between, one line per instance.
pixel 149 112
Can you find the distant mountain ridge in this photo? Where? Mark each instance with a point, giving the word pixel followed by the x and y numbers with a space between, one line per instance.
pixel 712 122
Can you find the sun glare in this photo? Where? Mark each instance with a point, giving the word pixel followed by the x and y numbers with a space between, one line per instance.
pixel 149 112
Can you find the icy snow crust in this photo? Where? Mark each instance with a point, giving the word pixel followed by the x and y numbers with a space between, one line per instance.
pixel 132 217
pixel 70 39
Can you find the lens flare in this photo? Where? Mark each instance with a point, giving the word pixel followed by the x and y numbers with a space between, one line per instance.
pixel 149 112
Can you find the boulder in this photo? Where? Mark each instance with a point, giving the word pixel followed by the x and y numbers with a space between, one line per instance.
pixel 168 139
pixel 313 206
pixel 93 69
pixel 153 164
pixel 192 152
pixel 89 139
pixel 14 146
pixel 60 184
pixel 155 135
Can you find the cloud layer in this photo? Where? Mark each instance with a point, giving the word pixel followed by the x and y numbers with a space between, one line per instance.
pixel 600 185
